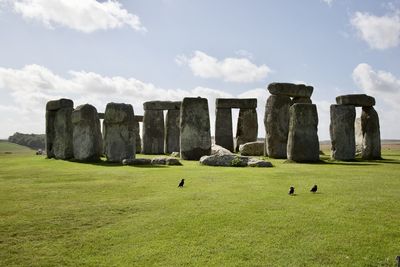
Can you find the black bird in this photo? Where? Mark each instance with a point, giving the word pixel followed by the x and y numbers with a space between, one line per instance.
pixel 314 189
pixel 291 191
pixel 181 183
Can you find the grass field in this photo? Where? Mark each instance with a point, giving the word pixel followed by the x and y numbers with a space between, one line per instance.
pixel 60 213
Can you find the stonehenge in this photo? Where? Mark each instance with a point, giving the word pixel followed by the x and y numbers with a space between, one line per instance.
pixel 277 115
pixel 59 129
pixel 247 125
pixel 195 134
pixel 345 128
pixel 87 139
pixel 136 129
pixel 119 136
pixel 157 137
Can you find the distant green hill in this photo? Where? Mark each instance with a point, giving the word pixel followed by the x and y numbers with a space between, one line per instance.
pixel 34 141
pixel 11 148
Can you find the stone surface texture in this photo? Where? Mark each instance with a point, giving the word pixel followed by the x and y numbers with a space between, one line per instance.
pixel 233 161
pixel 223 128
pixel 303 144
pixel 247 127
pixel 252 149
pixel 342 132
pixel 219 150
pixel 195 134
pixel 172 132
pixel 246 103
pixel 301 100
pixel 138 140
pixel 371 146
pixel 358 100
pixel 87 139
pixel 119 134
pixel 276 122
pixel 290 89
pixel 358 135
pixel 153 132
pixel 161 105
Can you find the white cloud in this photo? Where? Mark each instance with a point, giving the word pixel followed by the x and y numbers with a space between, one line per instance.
pixel 379 32
pixel 240 70
pixel 385 87
pixel 82 15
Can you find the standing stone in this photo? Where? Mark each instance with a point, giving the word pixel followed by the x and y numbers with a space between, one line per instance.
pixel 87 139
pixel 119 135
pixel 342 132
pixel 195 128
pixel 247 127
pixel 303 144
pixel 371 148
pixel 138 140
pixel 153 132
pixel 301 100
pixel 172 132
pixel 59 129
pixel 359 135
pixel 223 128
pixel 276 121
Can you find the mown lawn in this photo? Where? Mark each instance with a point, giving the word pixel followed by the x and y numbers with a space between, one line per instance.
pixel 60 213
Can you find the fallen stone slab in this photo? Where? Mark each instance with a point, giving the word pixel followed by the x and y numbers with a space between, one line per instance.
pixel 358 100
pixel 252 149
pixel 290 89
pixel 219 150
pixel 253 162
pixel 233 161
pixel 165 161
pixel 136 162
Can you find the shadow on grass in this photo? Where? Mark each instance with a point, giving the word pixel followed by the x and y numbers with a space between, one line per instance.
pixel 355 162
pixel 104 163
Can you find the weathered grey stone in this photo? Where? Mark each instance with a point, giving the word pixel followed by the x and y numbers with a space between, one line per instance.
pixel 223 128
pixel 301 100
pixel 55 105
pixel 175 154
pixel 358 135
pixel 101 116
pixel 247 127
pixel 172 132
pixel 87 139
pixel 173 161
pixel 59 129
pixel 153 132
pixel 276 121
pixel 161 105
pixel 219 150
pixel 342 132
pixel 138 118
pixel 371 148
pixel 303 144
pixel 252 149
pixel 119 135
pixel 195 128
pixel 290 89
pixel 138 140
pixel 246 103
pixel 253 162
pixel 166 161
pixel 136 161
pixel 358 100
pixel 224 160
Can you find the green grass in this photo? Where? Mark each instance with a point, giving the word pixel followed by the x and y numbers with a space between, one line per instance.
pixel 60 213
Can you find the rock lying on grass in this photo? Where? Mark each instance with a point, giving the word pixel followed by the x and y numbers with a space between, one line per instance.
pixel 219 150
pixel 233 161
pixel 154 161
pixel 252 149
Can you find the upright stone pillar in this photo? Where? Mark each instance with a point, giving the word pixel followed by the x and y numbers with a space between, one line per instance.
pixel 138 140
pixel 303 144
pixel 342 132
pixel 247 127
pixel 359 135
pixel 223 128
pixel 119 135
pixel 87 139
pixel 153 132
pixel 59 129
pixel 276 121
pixel 195 139
pixel 172 132
pixel 371 148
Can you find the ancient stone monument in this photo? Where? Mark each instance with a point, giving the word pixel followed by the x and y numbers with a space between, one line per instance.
pixel 276 119
pixel 154 130
pixel 59 129
pixel 195 134
pixel 303 144
pixel 136 129
pixel 343 125
pixel 87 139
pixel 119 135
pixel 247 126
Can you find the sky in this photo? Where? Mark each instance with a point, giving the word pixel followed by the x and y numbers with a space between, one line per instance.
pixel 98 52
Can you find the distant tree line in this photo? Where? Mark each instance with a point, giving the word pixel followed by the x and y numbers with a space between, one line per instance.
pixel 34 141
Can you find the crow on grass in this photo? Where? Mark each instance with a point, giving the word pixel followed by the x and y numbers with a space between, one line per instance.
pixel 181 183
pixel 291 190
pixel 314 189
